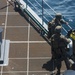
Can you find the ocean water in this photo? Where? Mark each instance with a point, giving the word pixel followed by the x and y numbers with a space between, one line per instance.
pixel 50 7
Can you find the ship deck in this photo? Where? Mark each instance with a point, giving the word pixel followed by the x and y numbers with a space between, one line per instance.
pixel 29 53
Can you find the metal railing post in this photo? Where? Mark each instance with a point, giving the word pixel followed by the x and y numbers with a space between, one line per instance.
pixel 42 13
pixel 26 4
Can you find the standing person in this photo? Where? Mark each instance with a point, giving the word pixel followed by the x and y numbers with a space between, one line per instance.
pixel 55 22
pixel 58 20
pixel 59 47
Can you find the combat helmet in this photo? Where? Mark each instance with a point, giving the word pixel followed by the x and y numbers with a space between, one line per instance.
pixel 58 29
pixel 58 15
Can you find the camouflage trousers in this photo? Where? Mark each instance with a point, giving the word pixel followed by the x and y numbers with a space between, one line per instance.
pixel 58 58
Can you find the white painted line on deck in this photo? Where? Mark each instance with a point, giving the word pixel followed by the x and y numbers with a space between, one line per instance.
pixel 13 13
pixel 18 26
pixel 14 72
pixel 10 13
pixel 2 13
pixel 1 70
pixel 6 21
pixel 14 26
pixel 28 49
pixel 32 58
pixel 32 71
pixel 5 31
pixel 28 42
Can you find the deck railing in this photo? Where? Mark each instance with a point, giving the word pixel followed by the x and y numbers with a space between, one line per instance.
pixel 41 8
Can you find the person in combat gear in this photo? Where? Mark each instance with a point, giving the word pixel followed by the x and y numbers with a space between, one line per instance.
pixel 55 22
pixel 59 47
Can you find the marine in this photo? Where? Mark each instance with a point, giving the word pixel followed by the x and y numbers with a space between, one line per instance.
pixel 59 47
pixel 55 22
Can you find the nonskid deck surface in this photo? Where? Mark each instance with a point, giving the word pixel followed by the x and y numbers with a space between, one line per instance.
pixel 29 53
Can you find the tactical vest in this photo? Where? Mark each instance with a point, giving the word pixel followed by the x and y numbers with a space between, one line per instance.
pixel 59 44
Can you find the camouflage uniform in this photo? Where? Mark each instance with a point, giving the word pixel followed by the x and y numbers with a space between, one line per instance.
pixel 59 47
pixel 57 21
